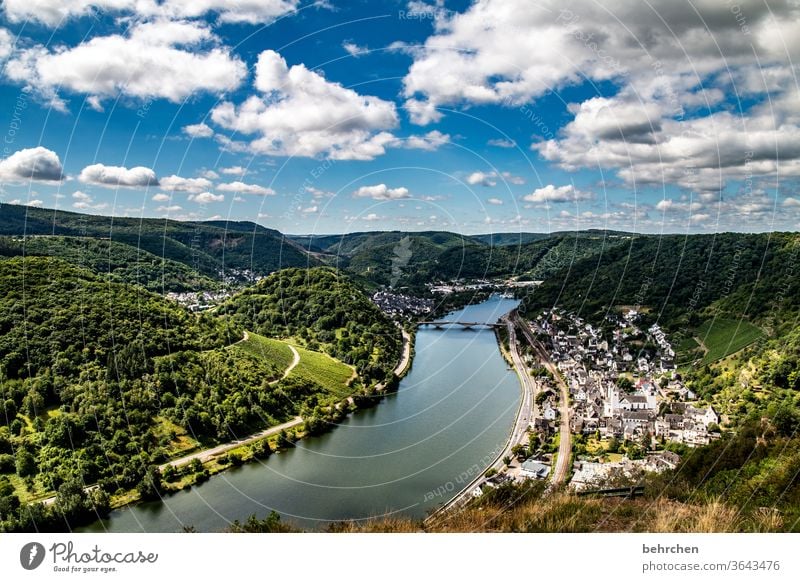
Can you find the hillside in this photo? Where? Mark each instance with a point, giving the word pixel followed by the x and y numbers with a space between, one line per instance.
pixel 322 310
pixel 681 281
pixel 121 262
pixel 208 248
pixel 415 259
pixel 102 381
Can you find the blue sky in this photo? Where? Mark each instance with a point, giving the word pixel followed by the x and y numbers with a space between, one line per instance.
pixel 326 117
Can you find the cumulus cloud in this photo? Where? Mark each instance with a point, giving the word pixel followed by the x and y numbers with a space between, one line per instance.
pixel 6 43
pixel 161 59
pixel 674 63
pixel 489 179
pixel 161 197
pixel 178 184
pixel 354 50
pixel 430 141
pixel 233 170
pixel 242 188
pixel 299 113
pixel 557 194
pixel 38 164
pixel 310 209
pixel 198 130
pixel 35 202
pixel 169 209
pixel 495 201
pixel 501 143
pixel 118 176
pixel 793 202
pixel 382 192
pixel 55 12
pixel 83 201
pixel 206 197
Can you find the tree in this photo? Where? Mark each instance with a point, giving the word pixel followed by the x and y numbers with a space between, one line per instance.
pixel 26 463
pixel 613 445
pixel 625 384
pixel 150 485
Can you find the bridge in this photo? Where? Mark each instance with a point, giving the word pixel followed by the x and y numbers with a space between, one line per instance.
pixel 464 324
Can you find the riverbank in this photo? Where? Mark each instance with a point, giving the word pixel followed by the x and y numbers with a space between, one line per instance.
pixel 523 418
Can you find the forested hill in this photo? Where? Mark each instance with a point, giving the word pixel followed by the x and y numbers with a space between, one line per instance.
pixel 413 259
pixel 57 318
pixel 206 247
pixel 322 309
pixel 680 280
pixel 122 263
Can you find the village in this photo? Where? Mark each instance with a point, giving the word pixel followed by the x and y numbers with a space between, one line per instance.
pixel 627 403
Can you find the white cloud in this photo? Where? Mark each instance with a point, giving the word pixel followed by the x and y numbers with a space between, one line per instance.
pixel 206 197
pixel 161 197
pixel 489 179
pixel 161 59
pixel 311 209
pixel 198 130
pixel 84 201
pixel 179 184
pixel 233 170
pixel 501 143
pixel 791 202
pixel 675 63
pixel 422 112
pixel 558 194
pixel 37 164
pixel 381 192
pixel 209 174
pixel 118 176
pixel 354 50
pixel 300 113
pixel 495 201
pixel 35 202
pixel 6 43
pixel 430 141
pixel 242 188
pixel 169 209
pixel 318 193
pixel 372 217
pixel 242 11
pixel 55 12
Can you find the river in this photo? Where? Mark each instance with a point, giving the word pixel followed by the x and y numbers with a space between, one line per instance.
pixel 449 418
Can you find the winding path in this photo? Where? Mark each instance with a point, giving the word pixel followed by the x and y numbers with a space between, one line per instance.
pixel 287 371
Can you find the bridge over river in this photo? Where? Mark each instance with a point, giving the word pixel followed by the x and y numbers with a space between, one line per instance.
pixel 464 324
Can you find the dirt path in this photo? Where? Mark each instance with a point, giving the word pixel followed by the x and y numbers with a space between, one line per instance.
pixel 287 371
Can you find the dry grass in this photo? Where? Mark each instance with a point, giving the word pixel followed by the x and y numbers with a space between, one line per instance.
pixel 564 512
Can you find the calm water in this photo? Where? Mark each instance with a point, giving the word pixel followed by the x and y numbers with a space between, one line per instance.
pixel 410 453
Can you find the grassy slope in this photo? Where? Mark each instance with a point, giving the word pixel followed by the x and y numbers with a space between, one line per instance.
pixel 332 374
pixel 723 337
pixel 329 372
pixel 275 351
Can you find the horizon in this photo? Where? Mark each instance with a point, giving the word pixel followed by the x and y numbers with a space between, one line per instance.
pixel 379 230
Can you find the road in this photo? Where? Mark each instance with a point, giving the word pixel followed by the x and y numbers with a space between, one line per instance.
pixel 565 441
pixel 403 364
pixel 519 432
pixel 206 454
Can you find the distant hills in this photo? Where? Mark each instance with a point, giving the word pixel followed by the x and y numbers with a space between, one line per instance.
pixel 209 249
